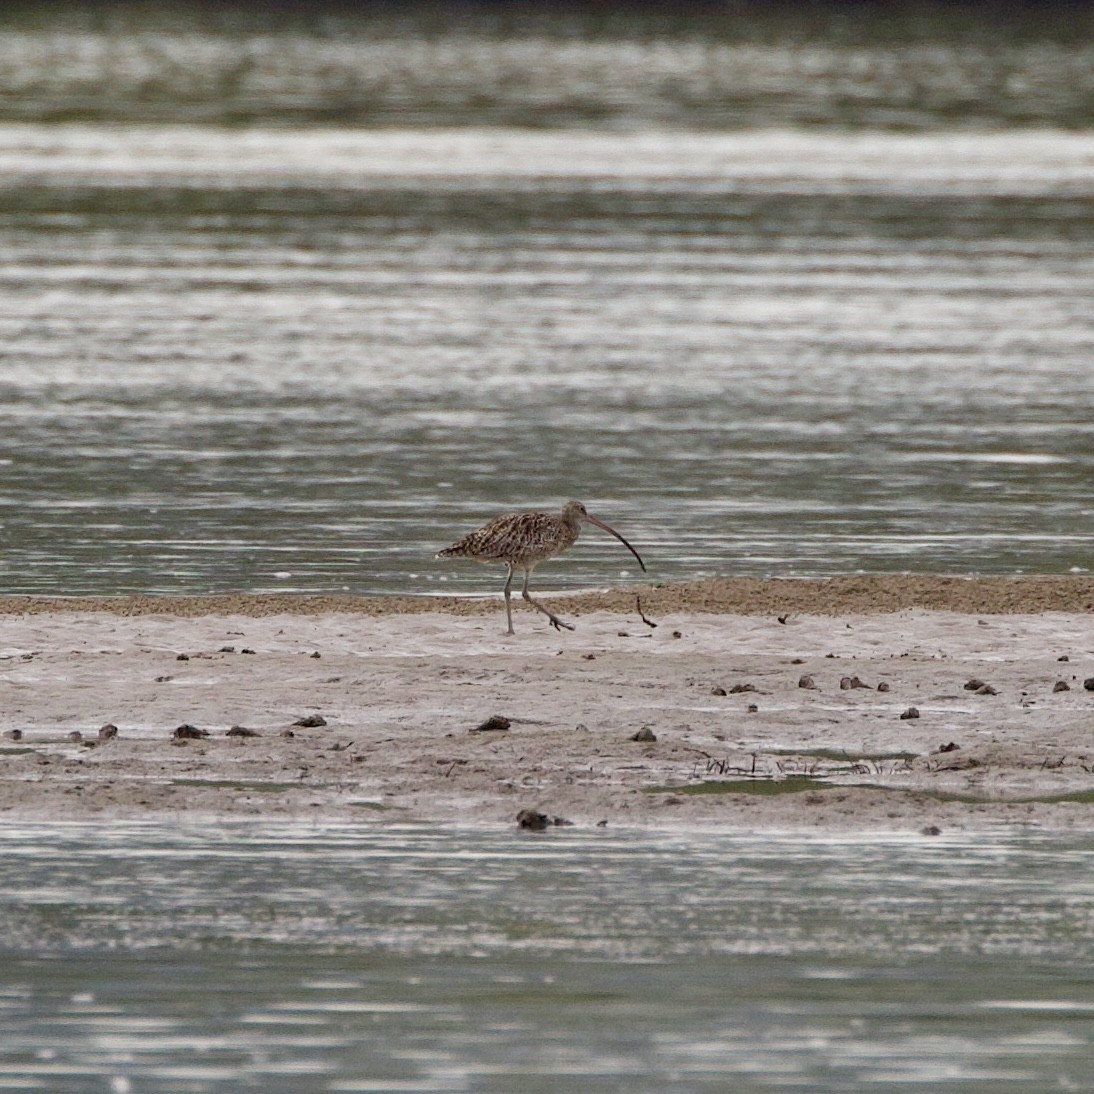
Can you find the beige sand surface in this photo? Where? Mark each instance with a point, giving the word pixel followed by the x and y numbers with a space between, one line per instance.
pixel 402 684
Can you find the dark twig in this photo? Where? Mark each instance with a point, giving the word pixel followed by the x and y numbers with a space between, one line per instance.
pixel 638 604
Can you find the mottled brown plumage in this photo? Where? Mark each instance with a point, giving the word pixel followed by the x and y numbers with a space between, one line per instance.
pixel 523 540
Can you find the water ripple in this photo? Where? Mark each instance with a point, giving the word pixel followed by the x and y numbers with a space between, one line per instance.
pixel 406 957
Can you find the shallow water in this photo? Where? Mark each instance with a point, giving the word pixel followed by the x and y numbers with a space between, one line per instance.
pixel 307 360
pixel 150 957
pixel 291 301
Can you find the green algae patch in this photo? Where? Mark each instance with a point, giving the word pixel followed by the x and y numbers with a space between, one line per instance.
pixel 236 784
pixel 794 784
pixel 841 755
pixel 1078 797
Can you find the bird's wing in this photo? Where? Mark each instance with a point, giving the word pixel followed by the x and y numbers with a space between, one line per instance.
pixel 515 536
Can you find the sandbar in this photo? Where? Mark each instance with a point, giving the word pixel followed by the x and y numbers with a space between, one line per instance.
pixel 736 703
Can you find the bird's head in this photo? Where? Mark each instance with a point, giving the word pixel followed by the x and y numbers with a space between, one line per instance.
pixel 574 512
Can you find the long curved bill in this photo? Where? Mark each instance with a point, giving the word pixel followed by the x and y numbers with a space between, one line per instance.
pixel 613 532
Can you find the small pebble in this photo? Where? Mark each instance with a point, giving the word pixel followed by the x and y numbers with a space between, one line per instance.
pixel 716 690
pixel 76 736
pixel 183 657
pixel 1061 685
pixel 911 712
pixel 242 731
pixel 986 689
pixel 286 733
pixel 532 820
pixel 974 684
pixel 931 830
pixel 644 734
pixel 108 732
pixel 13 734
pixel 752 708
pixel 535 821
pixel 494 724
pixel 1063 657
pixel 883 686
pixel 311 721
pixel 316 655
pixel 246 650
pixel 807 682
pixel 737 689
pixel 1088 683
pixel 227 649
pixel 187 732
pixel 951 747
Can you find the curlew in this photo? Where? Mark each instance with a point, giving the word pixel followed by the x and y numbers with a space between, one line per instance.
pixel 522 541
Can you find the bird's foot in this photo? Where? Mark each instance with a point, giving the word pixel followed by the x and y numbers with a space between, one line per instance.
pixel 558 624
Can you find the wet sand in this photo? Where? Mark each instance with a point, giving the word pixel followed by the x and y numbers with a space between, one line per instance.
pixel 726 596
pixel 771 704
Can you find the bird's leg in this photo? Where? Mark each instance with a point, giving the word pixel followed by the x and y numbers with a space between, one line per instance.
pixel 557 623
pixel 508 606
